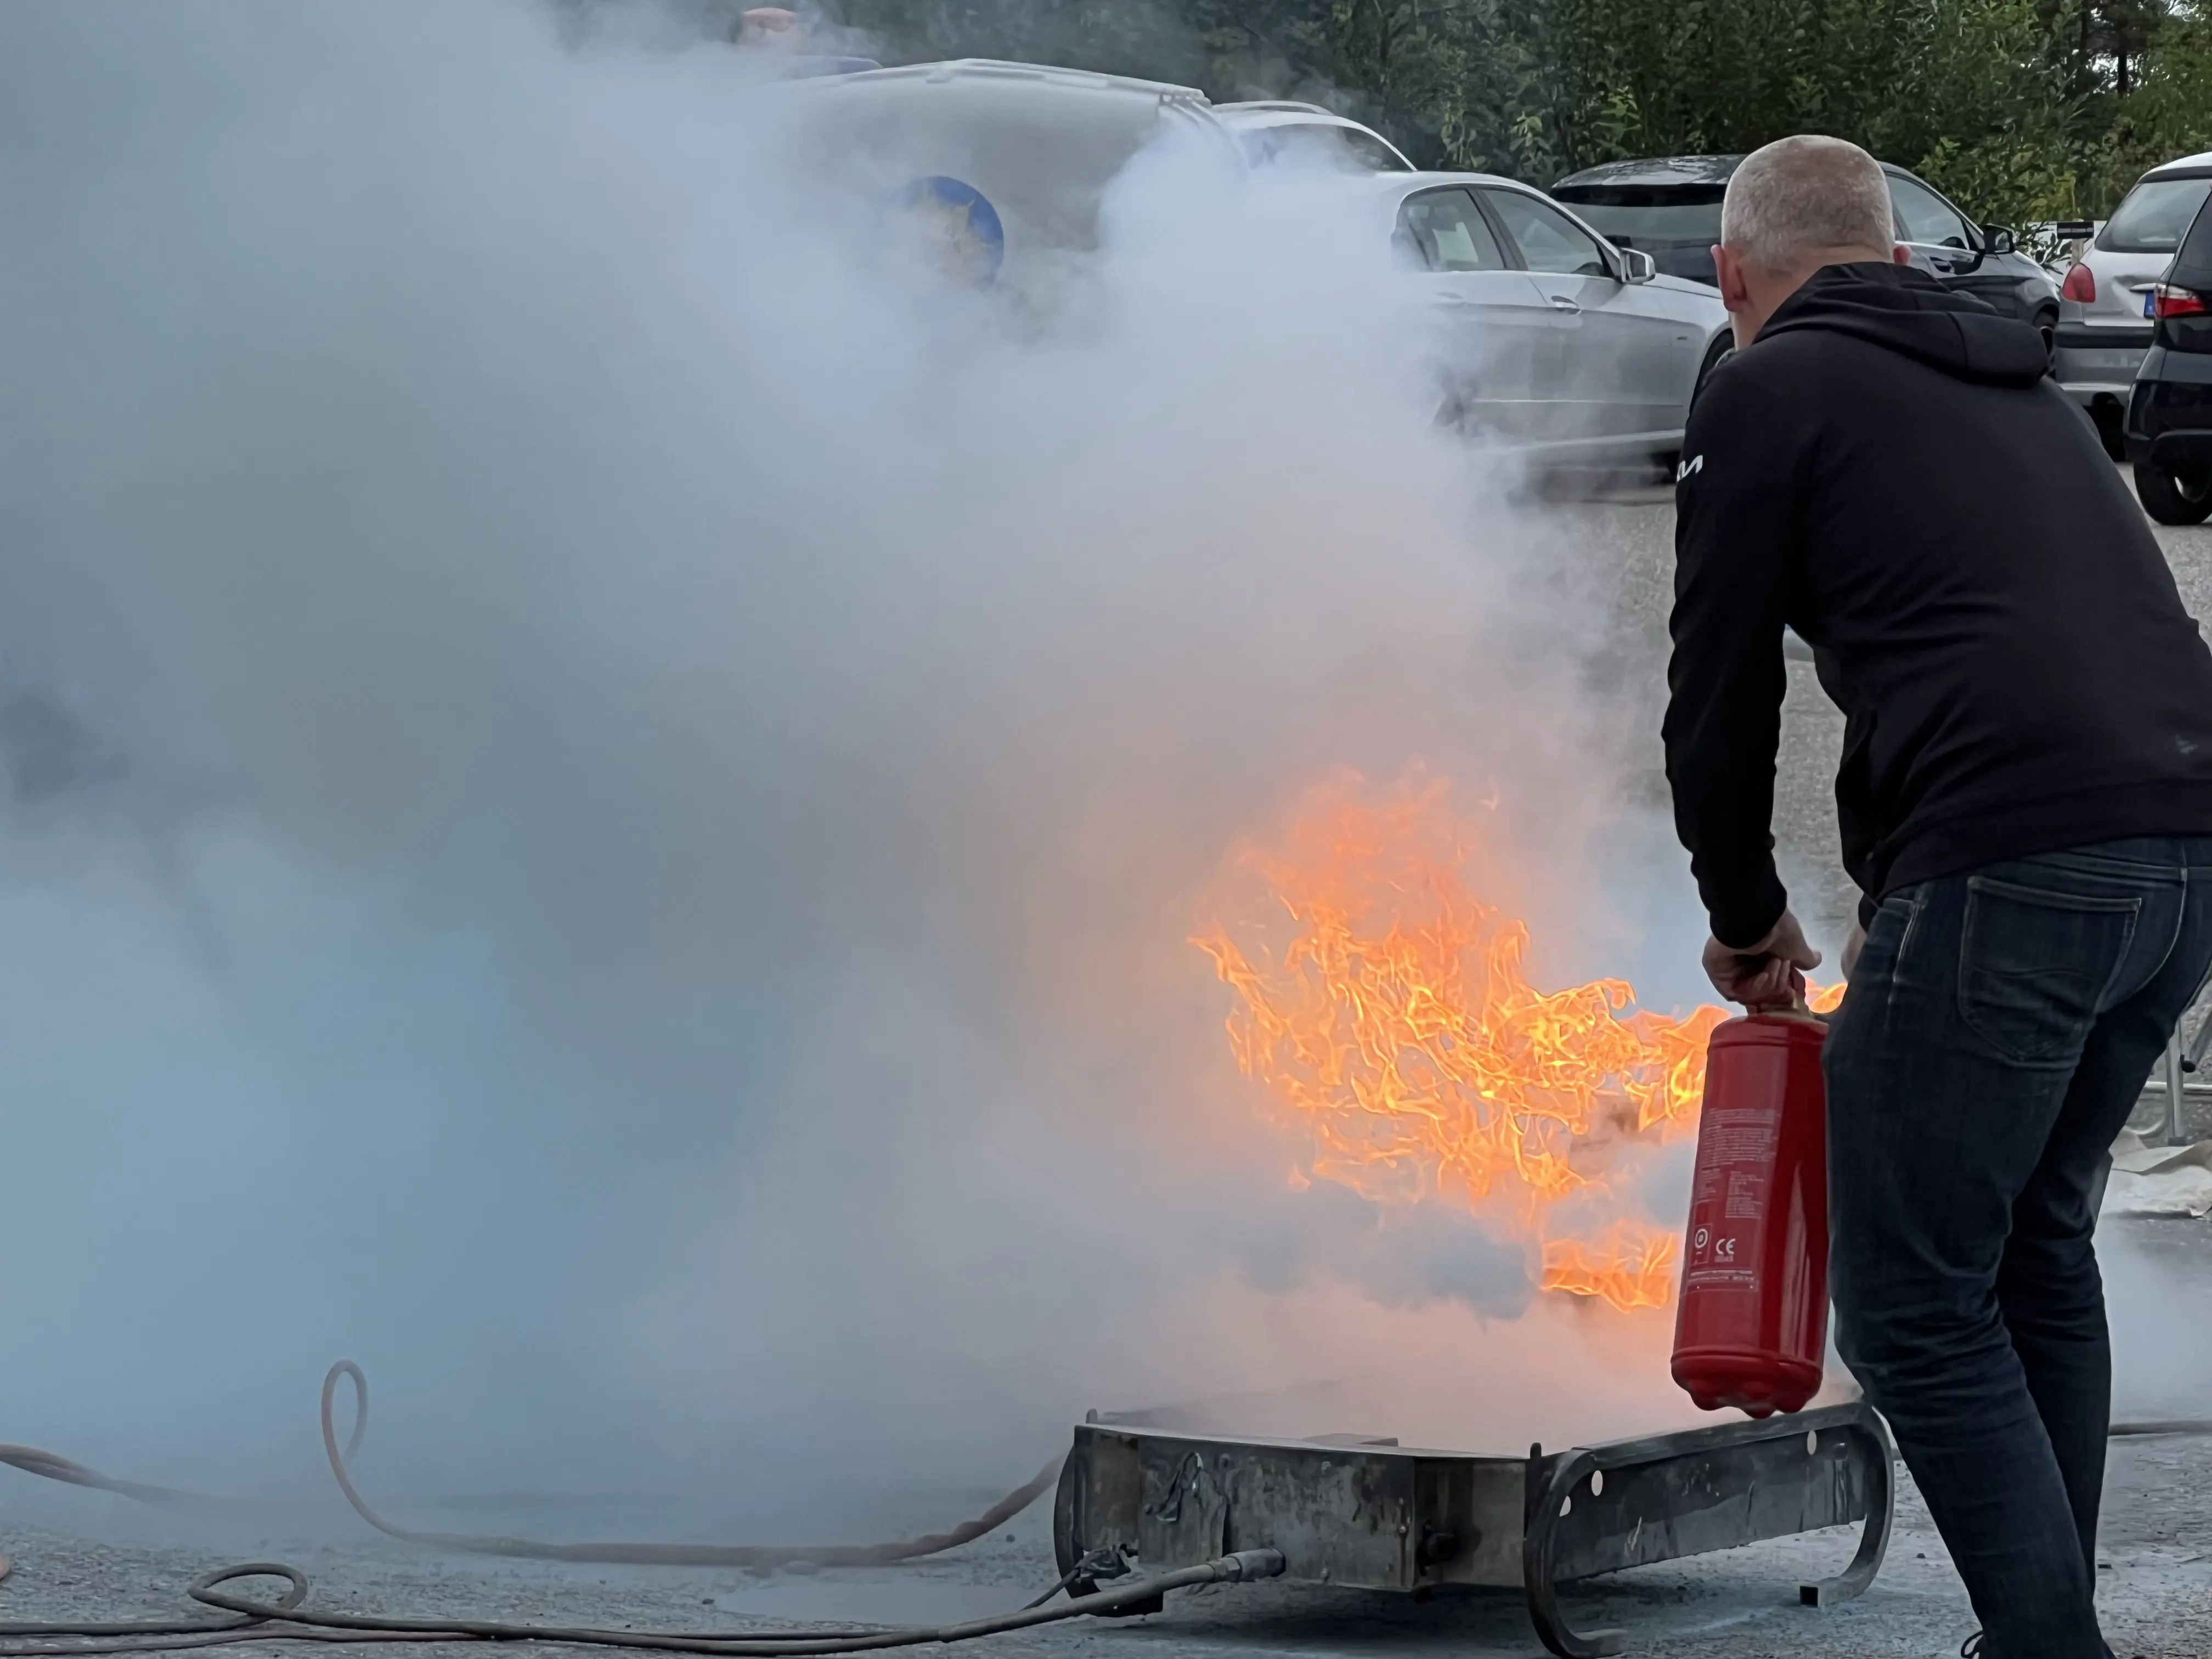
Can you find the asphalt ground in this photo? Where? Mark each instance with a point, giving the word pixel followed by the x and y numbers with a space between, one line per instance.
pixel 79 1555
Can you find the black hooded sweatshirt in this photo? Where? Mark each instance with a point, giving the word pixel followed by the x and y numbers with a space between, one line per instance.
pixel 1887 471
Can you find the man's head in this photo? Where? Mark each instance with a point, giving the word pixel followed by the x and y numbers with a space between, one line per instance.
pixel 1792 207
pixel 766 26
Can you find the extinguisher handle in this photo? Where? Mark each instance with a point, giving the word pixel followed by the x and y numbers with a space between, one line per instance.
pixel 1795 1008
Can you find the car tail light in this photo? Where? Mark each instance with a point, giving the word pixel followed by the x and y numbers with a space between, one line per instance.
pixel 2080 286
pixel 2170 301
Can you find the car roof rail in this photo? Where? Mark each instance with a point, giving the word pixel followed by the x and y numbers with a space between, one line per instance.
pixel 995 69
pixel 1285 105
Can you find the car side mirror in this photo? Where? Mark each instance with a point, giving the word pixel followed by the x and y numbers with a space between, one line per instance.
pixel 2000 238
pixel 1637 265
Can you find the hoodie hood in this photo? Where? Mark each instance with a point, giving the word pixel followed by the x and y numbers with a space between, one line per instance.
pixel 1910 312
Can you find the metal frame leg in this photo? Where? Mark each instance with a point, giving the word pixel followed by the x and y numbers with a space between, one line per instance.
pixel 1540 1557
pixel 1552 1492
pixel 2173 1088
pixel 2193 1056
pixel 1881 1516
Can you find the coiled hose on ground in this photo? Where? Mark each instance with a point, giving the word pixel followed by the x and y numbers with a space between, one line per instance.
pixel 286 1619
pixel 53 1467
pixel 654 1555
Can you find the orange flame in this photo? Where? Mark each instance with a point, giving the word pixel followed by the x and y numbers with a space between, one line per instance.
pixel 1389 1015
pixel 1628 1267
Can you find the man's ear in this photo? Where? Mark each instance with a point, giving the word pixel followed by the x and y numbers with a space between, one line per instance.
pixel 1900 253
pixel 1728 273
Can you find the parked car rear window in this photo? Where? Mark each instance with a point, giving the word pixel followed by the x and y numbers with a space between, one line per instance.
pixel 2154 217
pixel 1641 216
pixel 1449 232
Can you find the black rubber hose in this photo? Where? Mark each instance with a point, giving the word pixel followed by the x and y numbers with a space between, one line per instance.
pixel 284 1619
pixel 219 1630
pixel 657 1555
pixel 52 1466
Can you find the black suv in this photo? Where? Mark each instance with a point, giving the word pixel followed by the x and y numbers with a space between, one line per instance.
pixel 2168 425
pixel 1670 208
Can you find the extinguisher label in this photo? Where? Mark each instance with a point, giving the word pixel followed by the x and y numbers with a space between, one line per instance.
pixel 1736 1152
pixel 1746 1195
pixel 1744 1135
pixel 1723 1263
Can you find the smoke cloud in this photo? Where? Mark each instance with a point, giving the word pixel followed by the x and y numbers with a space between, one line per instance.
pixel 605 793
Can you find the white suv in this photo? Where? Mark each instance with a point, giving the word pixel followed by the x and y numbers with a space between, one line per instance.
pixel 1273 129
pixel 2103 326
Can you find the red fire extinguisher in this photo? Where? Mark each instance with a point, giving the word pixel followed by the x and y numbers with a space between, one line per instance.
pixel 1752 1327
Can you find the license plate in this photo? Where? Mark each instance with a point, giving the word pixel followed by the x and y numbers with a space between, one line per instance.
pixel 2150 304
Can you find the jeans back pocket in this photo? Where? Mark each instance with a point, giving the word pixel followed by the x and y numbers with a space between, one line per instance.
pixel 2034 965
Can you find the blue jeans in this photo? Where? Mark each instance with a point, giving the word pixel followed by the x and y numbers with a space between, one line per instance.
pixel 1998 1031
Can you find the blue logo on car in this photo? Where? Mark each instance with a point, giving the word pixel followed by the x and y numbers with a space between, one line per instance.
pixel 957 232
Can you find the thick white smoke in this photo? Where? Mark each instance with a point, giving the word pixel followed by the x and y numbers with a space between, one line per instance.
pixel 607 794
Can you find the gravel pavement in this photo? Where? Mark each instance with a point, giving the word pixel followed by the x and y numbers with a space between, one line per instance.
pixel 80 1555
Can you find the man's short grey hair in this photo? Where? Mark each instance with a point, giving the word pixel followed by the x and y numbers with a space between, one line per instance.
pixel 1802 194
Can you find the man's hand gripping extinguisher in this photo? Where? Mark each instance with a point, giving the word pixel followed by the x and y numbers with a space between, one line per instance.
pixel 1752 1327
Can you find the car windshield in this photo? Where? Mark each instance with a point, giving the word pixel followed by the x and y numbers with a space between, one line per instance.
pixel 1331 146
pixel 2155 216
pixel 1645 215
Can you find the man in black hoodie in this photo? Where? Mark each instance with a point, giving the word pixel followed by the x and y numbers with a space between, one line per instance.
pixel 2025 804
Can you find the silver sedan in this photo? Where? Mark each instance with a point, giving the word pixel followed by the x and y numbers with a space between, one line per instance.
pixel 1556 341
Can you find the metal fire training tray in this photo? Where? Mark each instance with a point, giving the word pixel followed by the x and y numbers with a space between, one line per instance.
pixel 1372 1514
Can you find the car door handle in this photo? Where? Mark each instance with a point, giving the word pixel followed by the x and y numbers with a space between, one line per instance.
pixel 1560 302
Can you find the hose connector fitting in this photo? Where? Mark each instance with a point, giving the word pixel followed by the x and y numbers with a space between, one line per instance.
pixel 1246 1564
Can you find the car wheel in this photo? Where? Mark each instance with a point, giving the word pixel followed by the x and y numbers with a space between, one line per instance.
pixel 2046 322
pixel 2111 429
pixel 2170 499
